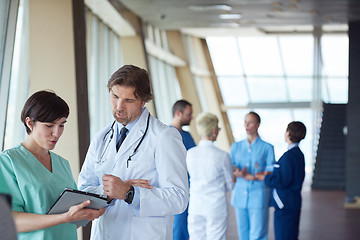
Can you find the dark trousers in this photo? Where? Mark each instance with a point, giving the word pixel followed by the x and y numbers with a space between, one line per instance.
pixel 180 229
pixel 286 224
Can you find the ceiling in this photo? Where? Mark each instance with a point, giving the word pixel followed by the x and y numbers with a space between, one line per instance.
pixel 262 15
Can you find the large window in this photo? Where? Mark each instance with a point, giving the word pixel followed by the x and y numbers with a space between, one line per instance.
pixel 163 76
pixel 19 81
pixel 275 74
pixel 19 78
pixel 104 58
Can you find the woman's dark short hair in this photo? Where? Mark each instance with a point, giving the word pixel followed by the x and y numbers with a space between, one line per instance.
pixel 44 106
pixel 132 76
pixel 255 115
pixel 297 131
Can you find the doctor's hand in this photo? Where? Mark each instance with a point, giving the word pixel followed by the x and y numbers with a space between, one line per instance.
pixel 139 183
pixel 114 187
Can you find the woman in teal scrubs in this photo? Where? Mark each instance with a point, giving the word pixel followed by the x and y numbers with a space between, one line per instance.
pixel 35 176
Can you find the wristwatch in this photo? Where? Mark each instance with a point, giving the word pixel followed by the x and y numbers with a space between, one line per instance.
pixel 129 195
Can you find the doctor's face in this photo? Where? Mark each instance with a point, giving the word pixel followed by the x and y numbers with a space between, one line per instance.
pixel 125 106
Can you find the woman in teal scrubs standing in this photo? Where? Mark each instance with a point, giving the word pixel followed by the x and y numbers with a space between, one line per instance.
pixel 36 176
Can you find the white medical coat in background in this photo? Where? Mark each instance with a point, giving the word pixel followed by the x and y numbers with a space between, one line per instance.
pixel 159 159
pixel 211 176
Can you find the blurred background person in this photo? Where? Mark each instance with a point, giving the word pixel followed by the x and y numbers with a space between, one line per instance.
pixel 36 176
pixel 182 116
pixel 286 181
pixel 211 177
pixel 251 197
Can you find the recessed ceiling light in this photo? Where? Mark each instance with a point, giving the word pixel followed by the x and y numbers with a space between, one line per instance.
pixel 230 16
pixel 203 8
pixel 230 25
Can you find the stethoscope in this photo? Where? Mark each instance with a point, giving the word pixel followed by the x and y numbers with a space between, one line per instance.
pixel 106 142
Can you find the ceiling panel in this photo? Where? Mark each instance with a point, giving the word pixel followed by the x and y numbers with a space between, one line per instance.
pixel 190 14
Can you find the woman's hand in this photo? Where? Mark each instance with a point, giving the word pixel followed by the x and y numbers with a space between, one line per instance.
pixel 28 222
pixel 243 173
pixel 261 175
pixel 79 212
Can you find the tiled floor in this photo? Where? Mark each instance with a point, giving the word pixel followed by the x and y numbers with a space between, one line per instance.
pixel 323 217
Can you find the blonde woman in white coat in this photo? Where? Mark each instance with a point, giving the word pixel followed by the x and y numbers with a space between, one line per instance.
pixel 211 174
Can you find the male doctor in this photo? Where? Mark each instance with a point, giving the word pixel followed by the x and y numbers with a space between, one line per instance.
pixel 145 180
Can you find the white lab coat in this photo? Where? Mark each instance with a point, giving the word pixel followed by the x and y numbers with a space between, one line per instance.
pixel 159 159
pixel 211 177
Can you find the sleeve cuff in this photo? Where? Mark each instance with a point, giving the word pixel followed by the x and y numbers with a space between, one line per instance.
pixel 136 201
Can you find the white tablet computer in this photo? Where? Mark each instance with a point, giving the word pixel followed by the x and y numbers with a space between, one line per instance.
pixel 70 197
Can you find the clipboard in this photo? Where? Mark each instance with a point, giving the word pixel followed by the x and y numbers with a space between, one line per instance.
pixel 70 197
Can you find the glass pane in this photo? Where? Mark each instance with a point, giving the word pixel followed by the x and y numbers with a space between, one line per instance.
pixel 325 91
pixel 306 145
pixel 164 84
pixel 335 53
pixel 104 57
pixel 298 61
pixel 19 81
pixel 338 90
pixel 236 119
pixel 267 90
pixel 300 89
pixel 200 89
pixel 225 56
pixel 260 56
pixel 273 126
pixel 4 11
pixel 233 91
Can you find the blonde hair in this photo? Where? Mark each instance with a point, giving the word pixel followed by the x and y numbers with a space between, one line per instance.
pixel 205 123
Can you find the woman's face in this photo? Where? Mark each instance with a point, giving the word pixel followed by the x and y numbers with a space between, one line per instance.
pixel 251 125
pixel 47 134
pixel 287 137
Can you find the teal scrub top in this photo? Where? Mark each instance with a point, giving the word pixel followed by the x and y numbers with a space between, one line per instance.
pixel 34 189
pixel 3 185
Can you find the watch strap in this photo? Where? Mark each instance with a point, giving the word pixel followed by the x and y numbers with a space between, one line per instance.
pixel 130 195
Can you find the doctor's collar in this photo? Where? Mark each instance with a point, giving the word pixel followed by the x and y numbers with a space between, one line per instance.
pixel 128 126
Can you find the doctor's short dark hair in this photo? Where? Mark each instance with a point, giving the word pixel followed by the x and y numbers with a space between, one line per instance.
pixel 180 105
pixel 132 76
pixel 297 131
pixel 44 106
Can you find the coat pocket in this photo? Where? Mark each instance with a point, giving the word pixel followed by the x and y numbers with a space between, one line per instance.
pixel 154 228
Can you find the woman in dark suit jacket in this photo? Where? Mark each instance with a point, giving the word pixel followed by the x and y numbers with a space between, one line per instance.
pixel 286 181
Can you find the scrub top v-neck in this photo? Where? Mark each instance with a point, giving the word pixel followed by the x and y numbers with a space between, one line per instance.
pixel 34 189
